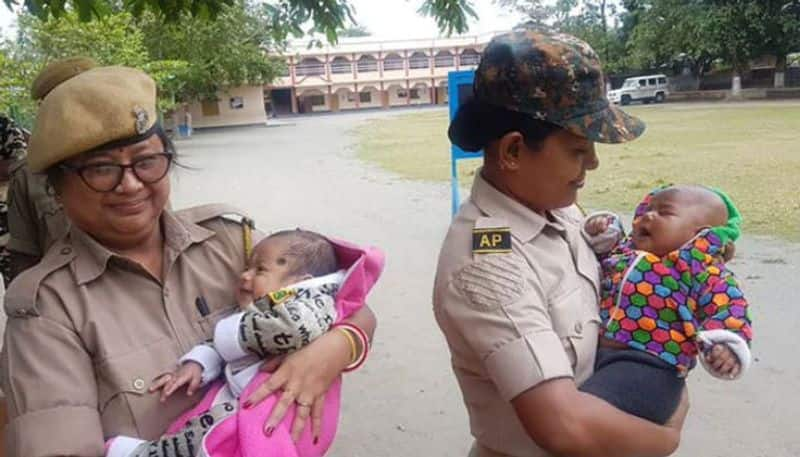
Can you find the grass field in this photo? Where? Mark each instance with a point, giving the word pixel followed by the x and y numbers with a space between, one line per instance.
pixel 750 150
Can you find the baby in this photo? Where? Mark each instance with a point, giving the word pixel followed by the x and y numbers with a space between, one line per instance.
pixel 666 295
pixel 287 298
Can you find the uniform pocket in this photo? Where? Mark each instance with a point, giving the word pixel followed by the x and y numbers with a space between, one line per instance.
pixel 209 321
pixel 125 405
pixel 132 373
pixel 575 320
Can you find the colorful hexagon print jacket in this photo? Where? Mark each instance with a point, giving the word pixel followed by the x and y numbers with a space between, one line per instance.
pixel 659 304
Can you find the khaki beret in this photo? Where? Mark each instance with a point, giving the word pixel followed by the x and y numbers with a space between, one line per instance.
pixel 89 110
pixel 57 72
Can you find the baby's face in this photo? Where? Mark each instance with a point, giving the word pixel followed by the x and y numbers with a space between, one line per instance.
pixel 672 218
pixel 268 270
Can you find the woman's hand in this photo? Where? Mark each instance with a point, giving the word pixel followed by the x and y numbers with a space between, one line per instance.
pixel 303 378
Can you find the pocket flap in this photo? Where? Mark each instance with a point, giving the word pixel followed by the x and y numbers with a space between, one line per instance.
pixel 135 371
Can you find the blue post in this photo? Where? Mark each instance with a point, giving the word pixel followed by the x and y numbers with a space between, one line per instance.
pixel 455 79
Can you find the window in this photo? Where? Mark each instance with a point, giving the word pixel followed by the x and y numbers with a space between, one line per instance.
pixel 310 67
pixel 341 65
pixel 414 94
pixel 443 59
pixel 351 97
pixel 418 60
pixel 210 107
pixel 402 93
pixel 236 102
pixel 470 57
pixel 317 100
pixel 365 97
pixel 662 81
pixel 642 82
pixel 651 82
pixel 392 62
pixel 367 64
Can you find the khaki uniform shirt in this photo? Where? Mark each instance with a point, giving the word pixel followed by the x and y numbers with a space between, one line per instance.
pixel 35 219
pixel 88 332
pixel 517 318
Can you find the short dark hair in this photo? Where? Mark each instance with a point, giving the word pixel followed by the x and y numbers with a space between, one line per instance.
pixel 481 123
pixel 313 253
pixel 55 173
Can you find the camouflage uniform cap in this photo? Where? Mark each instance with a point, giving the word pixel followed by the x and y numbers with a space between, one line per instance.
pixel 57 72
pixel 552 77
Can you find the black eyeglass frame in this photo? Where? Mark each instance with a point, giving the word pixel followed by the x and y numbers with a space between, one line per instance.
pixel 80 170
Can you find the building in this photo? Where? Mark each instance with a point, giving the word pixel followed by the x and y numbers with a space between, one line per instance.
pixel 364 73
pixel 357 73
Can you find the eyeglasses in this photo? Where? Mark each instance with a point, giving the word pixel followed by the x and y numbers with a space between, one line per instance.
pixel 105 177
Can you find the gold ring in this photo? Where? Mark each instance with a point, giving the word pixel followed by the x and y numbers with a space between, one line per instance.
pixel 304 405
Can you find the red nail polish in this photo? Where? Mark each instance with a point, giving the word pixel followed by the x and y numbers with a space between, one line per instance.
pixel 316 440
pixel 268 431
pixel 247 405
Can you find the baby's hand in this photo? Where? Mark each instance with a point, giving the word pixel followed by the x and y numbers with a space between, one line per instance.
pixel 598 224
pixel 190 373
pixel 723 361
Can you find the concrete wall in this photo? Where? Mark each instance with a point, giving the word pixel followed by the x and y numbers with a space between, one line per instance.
pixel 424 91
pixel 247 108
pixel 746 94
pixel 394 95
pixel 347 98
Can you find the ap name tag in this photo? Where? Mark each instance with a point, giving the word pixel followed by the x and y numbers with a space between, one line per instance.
pixel 491 240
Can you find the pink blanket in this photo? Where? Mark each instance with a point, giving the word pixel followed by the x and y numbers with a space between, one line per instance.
pixel 242 435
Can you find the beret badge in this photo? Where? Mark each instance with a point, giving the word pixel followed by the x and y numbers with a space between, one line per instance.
pixel 142 119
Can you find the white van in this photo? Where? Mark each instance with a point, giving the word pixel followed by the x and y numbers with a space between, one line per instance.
pixel 649 88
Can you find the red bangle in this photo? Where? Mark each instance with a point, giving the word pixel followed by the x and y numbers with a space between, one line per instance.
pixel 362 337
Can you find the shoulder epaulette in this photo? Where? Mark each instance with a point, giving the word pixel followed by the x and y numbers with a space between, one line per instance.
pixel 202 213
pixel 20 298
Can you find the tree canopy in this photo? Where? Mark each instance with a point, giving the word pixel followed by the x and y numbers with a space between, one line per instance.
pixel 286 17
pixel 693 34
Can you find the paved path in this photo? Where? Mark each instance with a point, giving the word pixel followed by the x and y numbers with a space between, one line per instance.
pixel 405 402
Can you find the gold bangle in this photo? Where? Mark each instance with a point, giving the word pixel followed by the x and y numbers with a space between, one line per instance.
pixel 352 342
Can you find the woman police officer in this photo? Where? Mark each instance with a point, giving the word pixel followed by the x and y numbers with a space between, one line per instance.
pixel 516 291
pixel 112 303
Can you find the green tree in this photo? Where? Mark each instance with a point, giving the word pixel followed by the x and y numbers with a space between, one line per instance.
pixel 190 59
pixel 697 32
pixel 673 32
pixel 15 77
pixel 781 34
pixel 227 52
pixel 288 17
pixel 588 20
pixel 113 40
pixel 354 32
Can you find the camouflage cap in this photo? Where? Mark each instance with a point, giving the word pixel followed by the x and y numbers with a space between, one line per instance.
pixel 553 77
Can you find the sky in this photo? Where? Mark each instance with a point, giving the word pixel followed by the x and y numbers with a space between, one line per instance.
pixel 386 19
